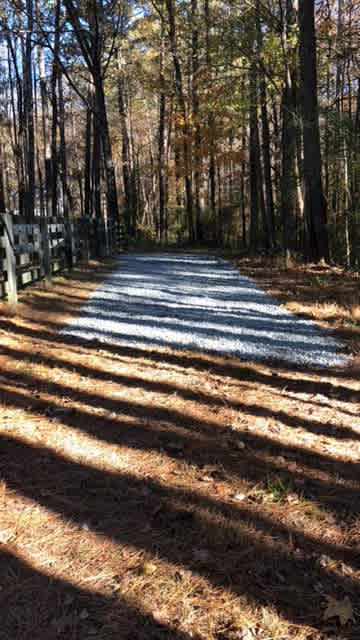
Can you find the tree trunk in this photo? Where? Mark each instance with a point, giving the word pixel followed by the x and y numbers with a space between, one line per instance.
pixel 91 44
pixel 96 170
pixel 181 99
pixel 268 206
pixel 289 131
pixel 211 121
pixel 37 147
pixel 63 160
pixel 54 105
pixel 2 190
pixel 314 200
pixel 88 199
pixel 254 151
pixel 111 193
pixel 195 110
pixel 29 114
pixel 161 139
pixel 270 214
pixel 125 155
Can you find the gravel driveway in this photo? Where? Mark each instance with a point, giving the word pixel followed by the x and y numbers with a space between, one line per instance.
pixel 202 303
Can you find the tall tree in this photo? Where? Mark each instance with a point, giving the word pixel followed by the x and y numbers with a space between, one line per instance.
pixel 29 112
pixel 289 134
pixel 161 139
pixel 180 92
pixel 315 209
pixel 89 24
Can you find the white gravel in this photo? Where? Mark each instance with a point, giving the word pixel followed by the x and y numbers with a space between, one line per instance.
pixel 202 303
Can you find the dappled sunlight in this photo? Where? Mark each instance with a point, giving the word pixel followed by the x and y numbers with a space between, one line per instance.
pixel 213 309
pixel 328 294
pixel 64 603
pixel 183 494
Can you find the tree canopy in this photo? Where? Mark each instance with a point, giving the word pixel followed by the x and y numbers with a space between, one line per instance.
pixel 221 122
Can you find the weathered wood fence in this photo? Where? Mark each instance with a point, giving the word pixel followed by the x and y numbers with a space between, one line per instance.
pixel 37 250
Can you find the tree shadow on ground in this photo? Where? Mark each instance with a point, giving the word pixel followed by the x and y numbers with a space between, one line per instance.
pixel 203 303
pixel 249 548
pixel 246 552
pixel 34 604
pixel 329 292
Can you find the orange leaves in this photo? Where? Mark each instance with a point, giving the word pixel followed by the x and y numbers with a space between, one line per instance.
pixel 180 120
pixel 185 132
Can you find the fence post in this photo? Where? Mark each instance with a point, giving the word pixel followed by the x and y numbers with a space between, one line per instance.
pixel 45 252
pixel 10 259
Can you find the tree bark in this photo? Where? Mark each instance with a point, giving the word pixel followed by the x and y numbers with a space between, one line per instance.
pixel 88 200
pixel 254 151
pixel 289 133
pixel 315 209
pixel 54 106
pixel 91 43
pixel 195 111
pixel 161 139
pixel 268 206
pixel 182 105
pixel 210 122
pixel 63 160
pixel 29 114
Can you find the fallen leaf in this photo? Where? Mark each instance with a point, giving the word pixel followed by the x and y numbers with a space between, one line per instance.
pixel 160 616
pixel 292 498
pixel 207 479
pixel 239 497
pixel 149 568
pixel 341 609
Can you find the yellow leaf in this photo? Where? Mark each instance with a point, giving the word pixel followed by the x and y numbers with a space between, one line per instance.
pixel 341 609
pixel 149 568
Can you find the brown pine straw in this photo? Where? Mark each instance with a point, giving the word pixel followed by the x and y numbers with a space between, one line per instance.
pixel 158 494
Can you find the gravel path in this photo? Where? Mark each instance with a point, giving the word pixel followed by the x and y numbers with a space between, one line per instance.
pixel 189 301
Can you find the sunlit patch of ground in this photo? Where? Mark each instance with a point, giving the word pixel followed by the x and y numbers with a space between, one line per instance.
pixel 328 294
pixel 155 494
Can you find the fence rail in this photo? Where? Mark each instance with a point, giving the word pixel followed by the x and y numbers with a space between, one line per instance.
pixel 31 251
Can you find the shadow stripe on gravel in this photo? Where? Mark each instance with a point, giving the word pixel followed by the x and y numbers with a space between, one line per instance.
pixel 200 303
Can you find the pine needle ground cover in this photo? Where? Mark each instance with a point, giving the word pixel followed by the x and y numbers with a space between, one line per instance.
pixel 150 494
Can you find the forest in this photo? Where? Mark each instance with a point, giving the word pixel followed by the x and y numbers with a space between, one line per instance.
pixel 224 123
pixel 180 384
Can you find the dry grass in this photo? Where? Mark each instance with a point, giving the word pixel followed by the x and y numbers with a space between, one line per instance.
pixel 328 294
pixel 150 494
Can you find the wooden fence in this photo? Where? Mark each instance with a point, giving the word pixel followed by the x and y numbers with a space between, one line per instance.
pixel 37 250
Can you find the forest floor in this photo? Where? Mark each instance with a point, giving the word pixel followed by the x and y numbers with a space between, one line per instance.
pixel 328 295
pixel 150 493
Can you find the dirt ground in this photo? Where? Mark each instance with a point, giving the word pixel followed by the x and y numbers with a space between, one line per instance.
pixel 152 494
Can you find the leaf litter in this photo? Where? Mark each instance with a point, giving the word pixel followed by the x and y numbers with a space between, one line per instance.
pixel 232 542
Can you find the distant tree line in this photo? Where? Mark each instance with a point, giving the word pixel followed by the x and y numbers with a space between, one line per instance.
pixel 219 123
